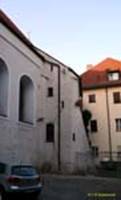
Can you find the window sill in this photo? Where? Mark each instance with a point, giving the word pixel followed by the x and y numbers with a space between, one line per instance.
pixel 26 124
pixel 4 117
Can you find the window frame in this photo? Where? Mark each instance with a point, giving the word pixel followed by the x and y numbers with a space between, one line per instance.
pixel 111 75
pixel 116 97
pixel 118 124
pixel 74 137
pixel 50 134
pixel 92 98
pixel 51 67
pixel 50 92
pixel 26 97
pixel 93 126
pixel 63 104
pixel 4 88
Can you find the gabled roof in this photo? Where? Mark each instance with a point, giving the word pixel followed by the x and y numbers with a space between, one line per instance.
pixel 96 77
pixel 14 29
pixel 5 20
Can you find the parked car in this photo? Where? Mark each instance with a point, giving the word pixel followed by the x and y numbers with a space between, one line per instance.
pixel 19 179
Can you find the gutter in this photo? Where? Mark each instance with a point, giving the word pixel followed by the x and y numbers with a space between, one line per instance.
pixel 103 85
pixel 59 116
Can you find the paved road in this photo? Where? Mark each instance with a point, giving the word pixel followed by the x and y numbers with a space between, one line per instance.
pixel 77 188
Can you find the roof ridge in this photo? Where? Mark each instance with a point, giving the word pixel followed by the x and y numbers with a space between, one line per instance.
pixel 97 76
pixel 4 18
pixel 97 65
pixel 12 27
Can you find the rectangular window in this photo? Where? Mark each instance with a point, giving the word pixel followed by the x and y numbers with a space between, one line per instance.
pixel 73 137
pixel 50 92
pixel 92 98
pixel 118 124
pixel 50 132
pixel 51 67
pixel 113 76
pixel 93 126
pixel 63 104
pixel 95 151
pixel 117 97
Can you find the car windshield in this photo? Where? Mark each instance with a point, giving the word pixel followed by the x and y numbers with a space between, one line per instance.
pixel 24 171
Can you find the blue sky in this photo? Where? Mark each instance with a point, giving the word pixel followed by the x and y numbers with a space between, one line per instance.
pixel 78 32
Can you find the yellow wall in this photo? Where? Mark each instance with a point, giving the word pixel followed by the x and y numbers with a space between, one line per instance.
pixel 99 113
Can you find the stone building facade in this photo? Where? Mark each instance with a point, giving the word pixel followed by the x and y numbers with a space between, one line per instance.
pixel 39 119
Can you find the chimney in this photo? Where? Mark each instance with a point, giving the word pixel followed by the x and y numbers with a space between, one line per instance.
pixel 89 66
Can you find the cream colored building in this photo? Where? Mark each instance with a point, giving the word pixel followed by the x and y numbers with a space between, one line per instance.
pixel 102 97
pixel 39 121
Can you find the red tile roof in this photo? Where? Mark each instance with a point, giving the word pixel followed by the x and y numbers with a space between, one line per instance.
pixel 96 77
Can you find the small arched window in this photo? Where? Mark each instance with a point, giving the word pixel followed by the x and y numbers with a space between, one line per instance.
pixel 3 88
pixel 26 100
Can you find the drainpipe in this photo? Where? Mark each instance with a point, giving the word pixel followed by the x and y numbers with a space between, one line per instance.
pixel 109 125
pixel 59 118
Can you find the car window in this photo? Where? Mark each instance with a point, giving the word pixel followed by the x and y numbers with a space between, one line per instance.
pixel 23 171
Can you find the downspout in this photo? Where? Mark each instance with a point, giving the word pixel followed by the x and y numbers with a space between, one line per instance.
pixel 59 119
pixel 109 125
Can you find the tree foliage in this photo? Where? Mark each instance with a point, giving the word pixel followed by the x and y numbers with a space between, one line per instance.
pixel 87 115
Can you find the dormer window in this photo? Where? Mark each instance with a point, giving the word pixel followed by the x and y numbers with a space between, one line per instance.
pixel 113 76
